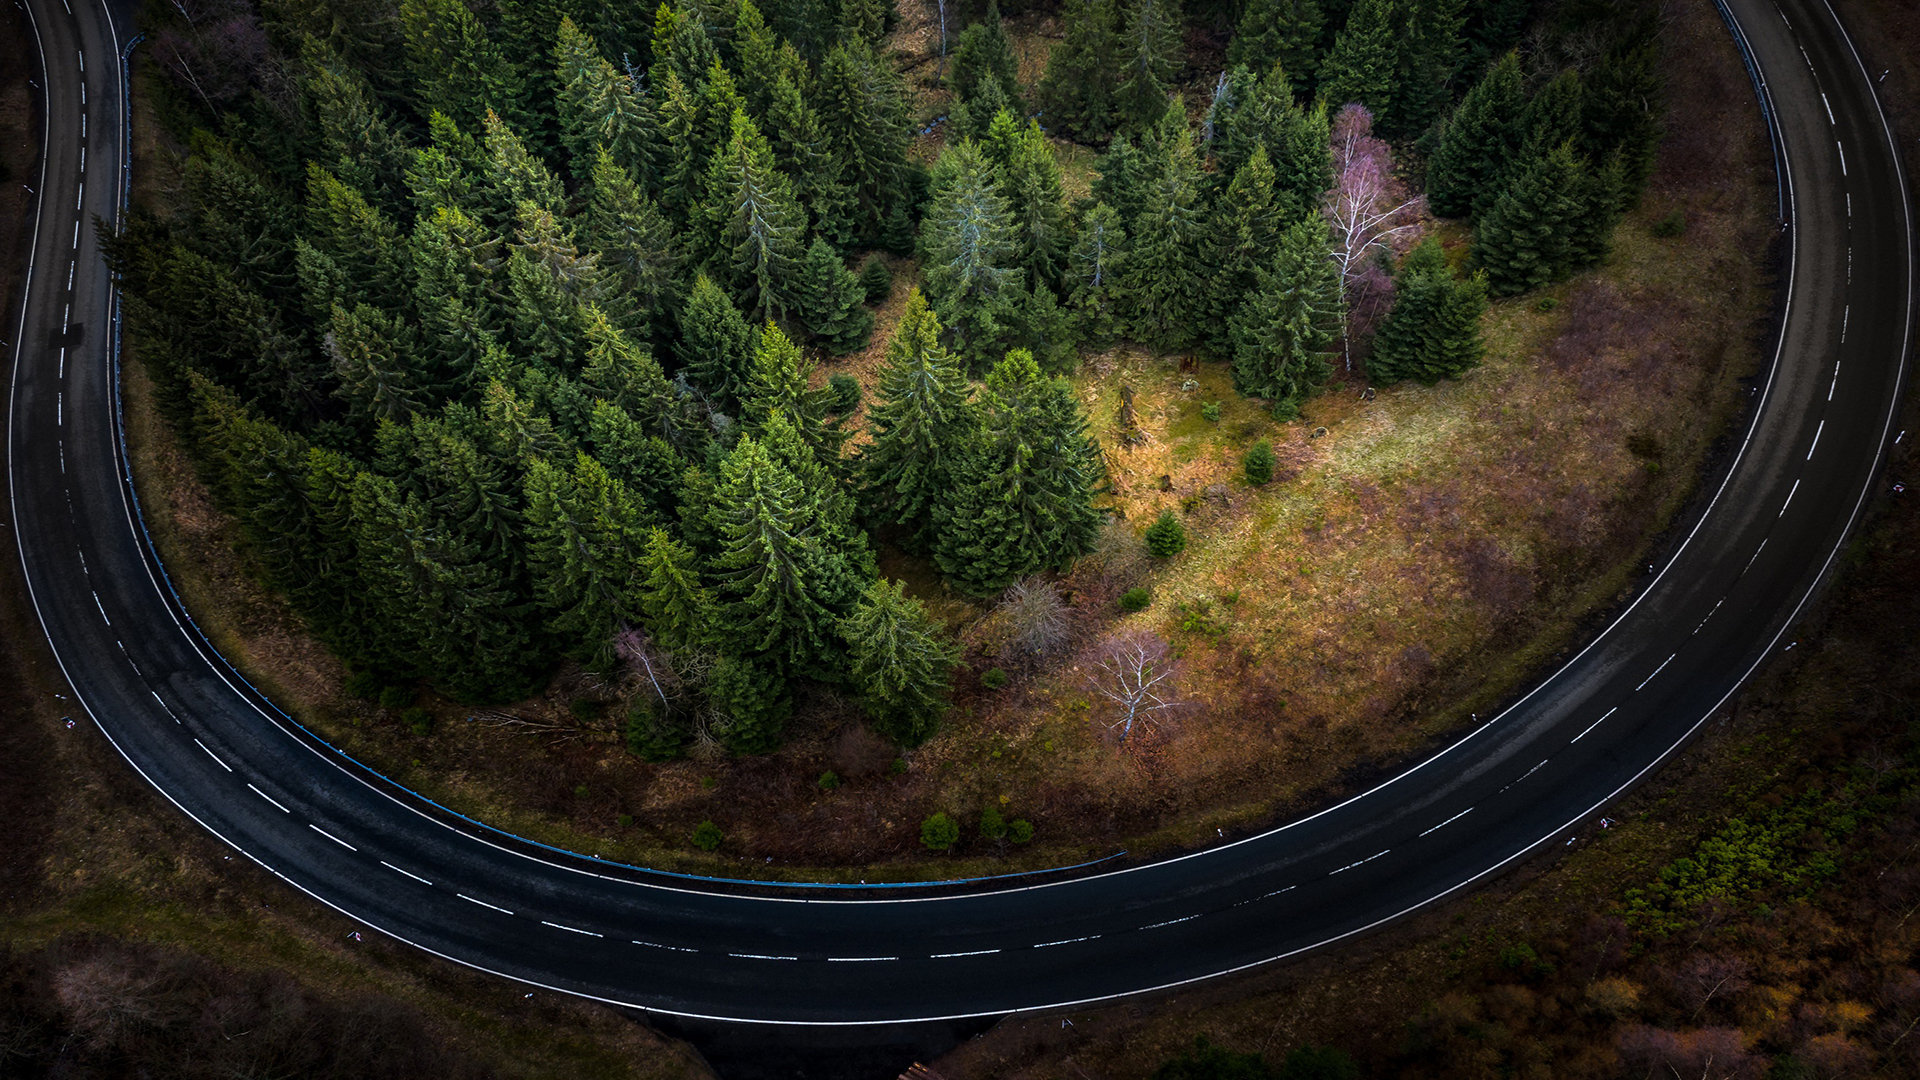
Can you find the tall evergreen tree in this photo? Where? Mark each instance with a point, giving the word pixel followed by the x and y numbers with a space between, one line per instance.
pixel 755 221
pixel 1152 55
pixel 515 175
pixel 1433 329
pixel 1022 498
pixel 1621 113
pixel 1247 231
pixel 636 246
pixel 717 344
pixel 1282 32
pixel 373 354
pixel 1286 330
pixel 677 608
pixel 830 301
pixel 968 252
pixel 1096 271
pixel 983 57
pixel 455 68
pixel 865 114
pixel 1122 181
pixel 1166 283
pixel 922 421
pixel 901 663
pixel 585 533
pixel 1036 198
pixel 599 108
pixel 1478 143
pixel 800 143
pixel 1365 54
pixel 1524 240
pixel 1077 92
pixel 356 137
pixel 1430 50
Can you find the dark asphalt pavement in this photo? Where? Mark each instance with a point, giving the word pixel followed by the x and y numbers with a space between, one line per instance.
pixel 1726 600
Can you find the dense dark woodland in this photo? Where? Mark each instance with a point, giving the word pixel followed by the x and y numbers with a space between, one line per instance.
pixel 491 325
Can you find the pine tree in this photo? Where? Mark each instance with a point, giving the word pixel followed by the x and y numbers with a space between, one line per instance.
pixel 1166 283
pixel 1122 179
pixel 968 252
pixel 677 608
pixel 1433 329
pixel 901 663
pixel 600 110
pixel 1430 48
pixel 1248 226
pixel 372 354
pixel 767 563
pixel 1036 199
pixel 1152 54
pixel 864 111
pixel 717 344
pixel 585 533
pixel 1166 537
pixel 1096 269
pixel 1077 92
pixel 756 701
pixel 636 247
pixel 800 143
pixel 1022 498
pixel 1284 331
pixel 1282 32
pixel 455 68
pixel 830 301
pixel 983 56
pixel 922 421
pixel 1523 240
pixel 1479 142
pixel 1361 66
pixel 755 221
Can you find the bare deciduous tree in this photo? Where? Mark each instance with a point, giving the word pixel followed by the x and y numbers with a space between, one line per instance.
pixel 1367 209
pixel 1134 672
pixel 1038 623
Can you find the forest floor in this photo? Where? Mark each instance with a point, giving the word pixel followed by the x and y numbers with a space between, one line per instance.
pixel 1417 557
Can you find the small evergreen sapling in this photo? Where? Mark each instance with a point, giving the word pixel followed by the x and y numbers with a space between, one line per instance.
pixel 939 832
pixel 876 280
pixel 1166 537
pixel 1259 463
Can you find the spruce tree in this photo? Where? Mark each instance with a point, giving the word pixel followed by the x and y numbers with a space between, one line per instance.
pixel 755 223
pixel 922 420
pixel 642 461
pixel 800 144
pixel 1166 537
pixel 756 701
pixel 1523 240
pixel 1096 269
pixel 968 252
pixel 356 137
pixel 1430 48
pixel 455 68
pixel 373 355
pixel 585 533
pixel 983 55
pixel 600 110
pixel 1361 66
pixel 1122 179
pixel 901 662
pixel 717 344
pixel 830 301
pixel 1282 32
pixel 1247 229
pixel 677 608
pixel 758 49
pixel 1077 92
pixel 778 386
pixel 864 111
pixel 1284 332
pixel 768 562
pixel 1433 330
pixel 1151 55
pixel 635 244
pixel 1022 498
pixel 514 175
pixel 1165 283
pixel 1621 113
pixel 1479 142
pixel 1036 198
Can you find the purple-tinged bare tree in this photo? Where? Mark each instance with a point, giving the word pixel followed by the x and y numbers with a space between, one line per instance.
pixel 1134 672
pixel 1367 209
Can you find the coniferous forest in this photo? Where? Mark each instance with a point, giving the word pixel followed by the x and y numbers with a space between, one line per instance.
pixel 495 326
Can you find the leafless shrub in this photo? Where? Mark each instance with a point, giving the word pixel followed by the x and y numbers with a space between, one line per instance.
pixel 1037 620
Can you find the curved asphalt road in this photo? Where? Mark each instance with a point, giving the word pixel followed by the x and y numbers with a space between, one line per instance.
pixel 1722 604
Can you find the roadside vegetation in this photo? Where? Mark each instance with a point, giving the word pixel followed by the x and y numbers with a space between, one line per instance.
pixel 501 422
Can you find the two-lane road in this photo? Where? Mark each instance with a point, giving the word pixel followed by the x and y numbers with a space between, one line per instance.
pixel 1724 602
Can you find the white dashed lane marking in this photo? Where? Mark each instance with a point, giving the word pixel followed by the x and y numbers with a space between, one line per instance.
pixel 257 791
pixel 333 838
pixel 483 903
pixel 408 873
pixel 570 929
pixel 1469 809
pixel 214 756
